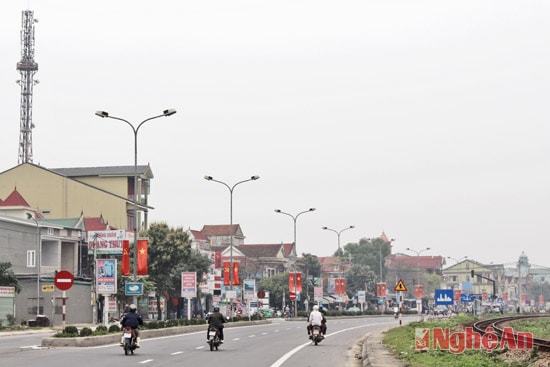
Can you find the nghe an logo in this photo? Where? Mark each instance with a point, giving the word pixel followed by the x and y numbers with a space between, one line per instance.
pixel 444 297
pixel 457 342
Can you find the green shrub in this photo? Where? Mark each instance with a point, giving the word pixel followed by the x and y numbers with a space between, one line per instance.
pixel 153 325
pixel 171 323
pixel 86 331
pixel 114 328
pixel 11 319
pixel 100 330
pixel 70 330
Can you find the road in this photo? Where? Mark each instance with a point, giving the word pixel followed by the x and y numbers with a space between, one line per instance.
pixel 280 344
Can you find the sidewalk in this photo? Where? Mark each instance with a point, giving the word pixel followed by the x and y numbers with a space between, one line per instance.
pixel 376 354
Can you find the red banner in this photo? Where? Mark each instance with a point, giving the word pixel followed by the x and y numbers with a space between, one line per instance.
pixel 380 289
pixel 235 273
pixel 458 294
pixel 142 257
pixel 125 264
pixel 505 297
pixel 226 274
pixel 418 291
pixel 217 260
pixel 339 286
pixel 291 282
pixel 298 282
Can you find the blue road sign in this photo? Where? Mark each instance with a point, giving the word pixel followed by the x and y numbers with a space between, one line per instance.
pixel 478 297
pixel 465 297
pixel 133 289
pixel 444 297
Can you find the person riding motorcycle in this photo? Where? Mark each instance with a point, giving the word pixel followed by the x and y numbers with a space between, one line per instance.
pixel 324 325
pixel 217 320
pixel 316 318
pixel 133 320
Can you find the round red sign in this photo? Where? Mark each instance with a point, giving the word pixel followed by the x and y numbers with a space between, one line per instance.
pixel 63 280
pixel 292 296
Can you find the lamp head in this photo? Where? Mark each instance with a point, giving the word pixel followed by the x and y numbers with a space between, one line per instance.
pixel 352 226
pixel 324 227
pixel 311 209
pixel 102 114
pixel 277 210
pixel 169 112
pixel 209 178
pixel 254 177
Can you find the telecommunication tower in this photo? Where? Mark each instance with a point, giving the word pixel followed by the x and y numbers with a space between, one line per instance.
pixel 27 67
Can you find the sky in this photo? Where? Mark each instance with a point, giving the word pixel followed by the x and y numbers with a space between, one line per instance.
pixel 425 120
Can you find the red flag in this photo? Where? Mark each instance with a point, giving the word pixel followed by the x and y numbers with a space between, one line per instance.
pixel 125 265
pixel 291 282
pixel 339 286
pixel 383 290
pixel 235 273
pixel 298 282
pixel 142 257
pixel 226 274
pixel 217 260
pixel 342 286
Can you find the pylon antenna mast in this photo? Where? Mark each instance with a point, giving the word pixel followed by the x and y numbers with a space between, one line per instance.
pixel 27 67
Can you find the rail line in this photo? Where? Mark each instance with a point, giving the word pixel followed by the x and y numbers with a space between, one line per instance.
pixel 498 325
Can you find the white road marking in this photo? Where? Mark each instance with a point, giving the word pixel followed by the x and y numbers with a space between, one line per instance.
pixel 176 353
pixel 147 361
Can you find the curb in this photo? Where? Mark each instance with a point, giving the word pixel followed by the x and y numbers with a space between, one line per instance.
pixel 92 341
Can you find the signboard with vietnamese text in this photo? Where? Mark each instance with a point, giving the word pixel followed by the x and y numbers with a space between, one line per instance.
pixel 106 276
pixel 188 284
pixel 108 242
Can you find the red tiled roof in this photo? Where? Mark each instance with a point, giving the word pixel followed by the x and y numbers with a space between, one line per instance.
pixel 263 250
pixel 96 224
pixel 15 199
pixel 198 235
pixel 219 230
pixel 425 262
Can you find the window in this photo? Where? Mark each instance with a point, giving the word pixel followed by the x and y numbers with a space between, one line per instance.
pixel 31 258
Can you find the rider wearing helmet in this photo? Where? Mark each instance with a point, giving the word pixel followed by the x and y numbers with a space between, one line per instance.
pixel 315 319
pixel 323 310
pixel 217 320
pixel 133 320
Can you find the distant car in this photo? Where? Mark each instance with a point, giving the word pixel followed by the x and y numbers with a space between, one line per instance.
pixel 441 310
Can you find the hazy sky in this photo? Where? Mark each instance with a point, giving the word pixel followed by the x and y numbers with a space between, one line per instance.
pixel 424 119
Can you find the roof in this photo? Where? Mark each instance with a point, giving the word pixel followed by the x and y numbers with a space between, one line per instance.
pixel 142 170
pixel 218 230
pixel 265 250
pixel 15 199
pixel 198 235
pixel 425 262
pixel 97 224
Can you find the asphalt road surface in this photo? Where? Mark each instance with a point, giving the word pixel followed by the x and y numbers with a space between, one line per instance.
pixel 280 344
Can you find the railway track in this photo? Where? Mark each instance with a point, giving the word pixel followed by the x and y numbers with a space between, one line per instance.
pixel 499 325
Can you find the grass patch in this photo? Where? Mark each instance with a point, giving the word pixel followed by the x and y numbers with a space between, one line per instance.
pixel 401 341
pixel 539 327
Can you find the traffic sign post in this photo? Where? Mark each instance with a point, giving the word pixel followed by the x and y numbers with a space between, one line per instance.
pixel 400 287
pixel 63 280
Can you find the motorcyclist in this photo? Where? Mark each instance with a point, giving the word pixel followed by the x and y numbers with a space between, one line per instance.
pixel 315 319
pixel 217 320
pixel 133 320
pixel 323 310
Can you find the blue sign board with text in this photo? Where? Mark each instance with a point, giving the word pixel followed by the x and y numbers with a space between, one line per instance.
pixel 133 289
pixel 444 297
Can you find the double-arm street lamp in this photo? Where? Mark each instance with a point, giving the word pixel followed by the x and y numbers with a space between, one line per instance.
pixel 418 261
pixel 380 243
pixel 339 248
pixel 294 219
pixel 135 129
pixel 231 188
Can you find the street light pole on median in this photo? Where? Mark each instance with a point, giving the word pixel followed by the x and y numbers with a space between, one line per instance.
pixel 165 113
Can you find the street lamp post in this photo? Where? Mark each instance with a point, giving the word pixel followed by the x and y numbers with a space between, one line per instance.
pixel 417 261
pixel 294 219
pixel 339 248
pixel 165 113
pixel 380 256
pixel 231 188
pixel 38 257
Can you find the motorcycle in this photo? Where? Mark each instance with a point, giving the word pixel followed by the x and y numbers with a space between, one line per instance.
pixel 316 334
pixel 214 338
pixel 129 337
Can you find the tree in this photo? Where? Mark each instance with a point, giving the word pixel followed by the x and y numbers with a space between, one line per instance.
pixel 276 286
pixel 7 277
pixel 313 270
pixel 168 250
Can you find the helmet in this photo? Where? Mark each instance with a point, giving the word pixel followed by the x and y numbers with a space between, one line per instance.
pixel 133 308
pixel 216 309
pixel 315 308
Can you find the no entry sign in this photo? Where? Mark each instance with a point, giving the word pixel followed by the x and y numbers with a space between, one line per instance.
pixel 63 280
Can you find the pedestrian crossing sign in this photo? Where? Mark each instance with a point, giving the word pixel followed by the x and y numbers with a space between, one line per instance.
pixel 400 286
